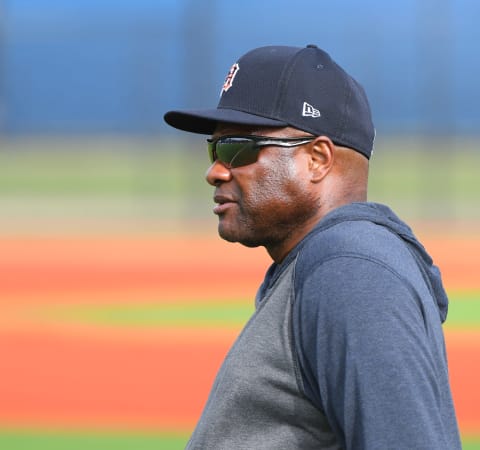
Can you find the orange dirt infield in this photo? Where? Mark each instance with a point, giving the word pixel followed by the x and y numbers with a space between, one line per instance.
pixel 178 268
pixel 148 380
pixel 71 375
pixel 172 268
pixel 132 379
pixel 70 379
pixel 463 349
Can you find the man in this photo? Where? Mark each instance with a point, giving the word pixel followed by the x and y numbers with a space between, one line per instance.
pixel 345 349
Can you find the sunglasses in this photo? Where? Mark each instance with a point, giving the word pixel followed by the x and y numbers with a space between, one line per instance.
pixel 237 151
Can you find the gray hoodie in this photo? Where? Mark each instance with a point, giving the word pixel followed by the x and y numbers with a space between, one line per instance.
pixel 345 349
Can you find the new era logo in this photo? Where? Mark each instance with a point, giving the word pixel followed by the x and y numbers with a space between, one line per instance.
pixel 310 111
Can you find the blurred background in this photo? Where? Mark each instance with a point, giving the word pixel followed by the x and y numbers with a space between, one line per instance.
pixel 118 301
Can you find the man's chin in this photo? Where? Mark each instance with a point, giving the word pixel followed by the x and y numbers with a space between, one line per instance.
pixel 227 234
pixel 234 236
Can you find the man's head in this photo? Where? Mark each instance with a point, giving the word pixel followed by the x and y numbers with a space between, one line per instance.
pixel 290 141
pixel 279 86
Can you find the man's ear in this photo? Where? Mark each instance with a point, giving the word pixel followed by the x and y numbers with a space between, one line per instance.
pixel 322 156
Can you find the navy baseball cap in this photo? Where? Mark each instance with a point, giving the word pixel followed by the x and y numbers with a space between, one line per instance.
pixel 279 86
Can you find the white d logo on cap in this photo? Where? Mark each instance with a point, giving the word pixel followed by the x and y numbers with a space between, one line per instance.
pixel 230 77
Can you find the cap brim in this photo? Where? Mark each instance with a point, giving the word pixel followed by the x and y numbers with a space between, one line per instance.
pixel 205 121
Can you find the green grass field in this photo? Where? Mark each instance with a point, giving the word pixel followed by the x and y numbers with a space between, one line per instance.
pixel 81 441
pixel 87 440
pixel 30 440
pixel 464 311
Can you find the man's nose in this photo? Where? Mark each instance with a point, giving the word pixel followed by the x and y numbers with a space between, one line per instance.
pixel 218 173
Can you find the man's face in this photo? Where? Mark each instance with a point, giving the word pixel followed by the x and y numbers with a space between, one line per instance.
pixel 267 202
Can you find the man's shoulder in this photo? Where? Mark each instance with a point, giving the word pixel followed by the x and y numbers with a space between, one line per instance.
pixel 355 238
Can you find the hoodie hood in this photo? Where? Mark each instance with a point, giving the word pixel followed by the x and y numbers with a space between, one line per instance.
pixel 384 216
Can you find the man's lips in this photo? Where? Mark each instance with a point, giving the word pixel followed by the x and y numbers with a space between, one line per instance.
pixel 223 203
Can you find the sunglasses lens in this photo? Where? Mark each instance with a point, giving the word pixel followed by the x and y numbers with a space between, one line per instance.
pixel 234 152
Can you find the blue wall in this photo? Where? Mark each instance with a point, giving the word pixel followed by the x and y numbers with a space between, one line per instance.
pixel 117 66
